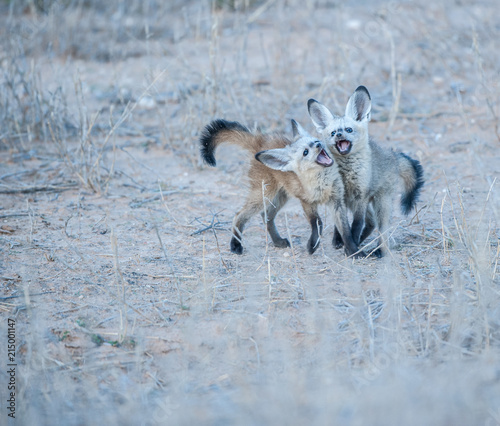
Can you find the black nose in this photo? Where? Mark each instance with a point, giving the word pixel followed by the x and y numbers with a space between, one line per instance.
pixel 318 144
pixel 339 134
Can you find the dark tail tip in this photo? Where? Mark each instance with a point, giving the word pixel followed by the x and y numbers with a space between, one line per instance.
pixel 209 134
pixel 410 198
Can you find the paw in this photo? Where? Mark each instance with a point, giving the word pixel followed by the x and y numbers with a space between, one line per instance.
pixel 312 246
pixel 378 253
pixel 337 242
pixel 360 255
pixel 236 246
pixel 282 243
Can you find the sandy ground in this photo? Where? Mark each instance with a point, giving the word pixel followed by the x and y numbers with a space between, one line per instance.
pixel 115 258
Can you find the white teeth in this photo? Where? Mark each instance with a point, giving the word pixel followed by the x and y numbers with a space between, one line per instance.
pixel 343 146
pixel 324 159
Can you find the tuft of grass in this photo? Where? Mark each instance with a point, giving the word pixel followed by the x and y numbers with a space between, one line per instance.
pixel 28 110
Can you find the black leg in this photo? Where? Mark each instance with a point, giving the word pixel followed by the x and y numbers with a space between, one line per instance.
pixel 337 239
pixel 369 224
pixel 350 247
pixel 271 211
pixel 317 230
pixel 242 217
pixel 311 211
pixel 358 224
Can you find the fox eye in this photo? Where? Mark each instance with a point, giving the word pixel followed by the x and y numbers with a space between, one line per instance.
pixel 333 133
pixel 348 130
pixel 306 151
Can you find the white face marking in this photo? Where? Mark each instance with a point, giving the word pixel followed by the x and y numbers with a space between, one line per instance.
pixel 334 129
pixel 305 153
pixel 315 178
pixel 298 157
pixel 358 137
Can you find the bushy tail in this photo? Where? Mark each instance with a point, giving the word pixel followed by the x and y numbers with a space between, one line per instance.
pixel 222 131
pixel 412 174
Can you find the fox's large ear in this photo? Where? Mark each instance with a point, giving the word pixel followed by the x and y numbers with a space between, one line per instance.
pixel 359 105
pixel 298 130
pixel 277 159
pixel 320 114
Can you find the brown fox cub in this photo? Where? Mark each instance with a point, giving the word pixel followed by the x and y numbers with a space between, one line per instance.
pixel 371 174
pixel 279 170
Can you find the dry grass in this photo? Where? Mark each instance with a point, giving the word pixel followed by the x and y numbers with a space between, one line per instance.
pixel 114 258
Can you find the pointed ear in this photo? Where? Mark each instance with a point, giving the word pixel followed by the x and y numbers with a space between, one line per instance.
pixel 359 105
pixel 277 159
pixel 320 115
pixel 298 130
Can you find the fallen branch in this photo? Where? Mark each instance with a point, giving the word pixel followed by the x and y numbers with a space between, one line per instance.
pixel 31 189
pixel 213 225
pixel 22 295
pixel 4 216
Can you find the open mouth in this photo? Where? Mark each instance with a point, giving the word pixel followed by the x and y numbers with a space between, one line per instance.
pixel 343 146
pixel 324 159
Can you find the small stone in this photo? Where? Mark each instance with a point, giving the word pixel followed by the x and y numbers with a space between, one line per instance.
pixel 147 102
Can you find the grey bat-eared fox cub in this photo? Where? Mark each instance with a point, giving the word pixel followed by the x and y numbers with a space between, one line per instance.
pixel 280 169
pixel 371 174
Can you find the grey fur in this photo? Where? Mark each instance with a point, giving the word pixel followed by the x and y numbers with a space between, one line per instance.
pixel 371 174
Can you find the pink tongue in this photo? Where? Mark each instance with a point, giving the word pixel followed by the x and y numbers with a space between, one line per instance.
pixel 344 145
pixel 324 159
